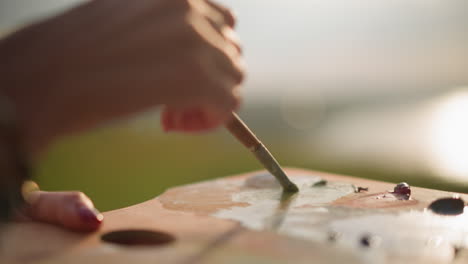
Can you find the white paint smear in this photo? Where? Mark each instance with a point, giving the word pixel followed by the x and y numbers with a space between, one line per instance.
pixel 264 194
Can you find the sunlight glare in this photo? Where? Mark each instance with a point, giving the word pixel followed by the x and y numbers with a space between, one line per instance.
pixel 449 135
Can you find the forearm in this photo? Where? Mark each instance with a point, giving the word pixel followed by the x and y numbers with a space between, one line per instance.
pixel 21 80
pixel 13 165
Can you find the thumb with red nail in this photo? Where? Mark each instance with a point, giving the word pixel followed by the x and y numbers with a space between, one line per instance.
pixel 72 210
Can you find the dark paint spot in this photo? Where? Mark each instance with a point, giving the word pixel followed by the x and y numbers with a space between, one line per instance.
pixel 369 241
pixel 138 237
pixel 320 183
pixel 460 253
pixel 361 189
pixel 448 206
pixel 456 251
pixel 365 241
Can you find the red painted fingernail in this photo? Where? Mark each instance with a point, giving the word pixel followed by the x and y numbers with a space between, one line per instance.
pixel 90 216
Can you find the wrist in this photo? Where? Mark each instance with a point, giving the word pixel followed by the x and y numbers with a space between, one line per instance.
pixel 33 122
pixel 13 163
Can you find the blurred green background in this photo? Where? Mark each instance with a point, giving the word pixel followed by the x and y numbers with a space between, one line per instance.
pixel 370 88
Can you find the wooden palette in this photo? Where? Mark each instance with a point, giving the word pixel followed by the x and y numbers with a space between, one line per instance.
pixel 247 219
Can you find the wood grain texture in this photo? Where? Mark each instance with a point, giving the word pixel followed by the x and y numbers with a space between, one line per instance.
pixel 198 215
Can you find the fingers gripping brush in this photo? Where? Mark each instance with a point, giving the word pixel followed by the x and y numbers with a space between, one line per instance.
pixel 242 132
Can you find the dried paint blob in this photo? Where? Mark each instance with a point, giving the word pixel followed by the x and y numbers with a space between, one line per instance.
pixel 358 189
pixel 402 188
pixel 448 206
pixel 138 237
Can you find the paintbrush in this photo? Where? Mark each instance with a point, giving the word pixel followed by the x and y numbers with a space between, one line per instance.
pixel 241 131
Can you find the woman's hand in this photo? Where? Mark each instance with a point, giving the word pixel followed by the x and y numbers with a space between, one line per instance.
pixel 108 59
pixel 111 58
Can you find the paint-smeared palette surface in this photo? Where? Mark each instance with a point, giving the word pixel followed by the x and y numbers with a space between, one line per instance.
pixel 248 219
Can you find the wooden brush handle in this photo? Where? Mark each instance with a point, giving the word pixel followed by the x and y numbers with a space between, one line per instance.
pixel 241 131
